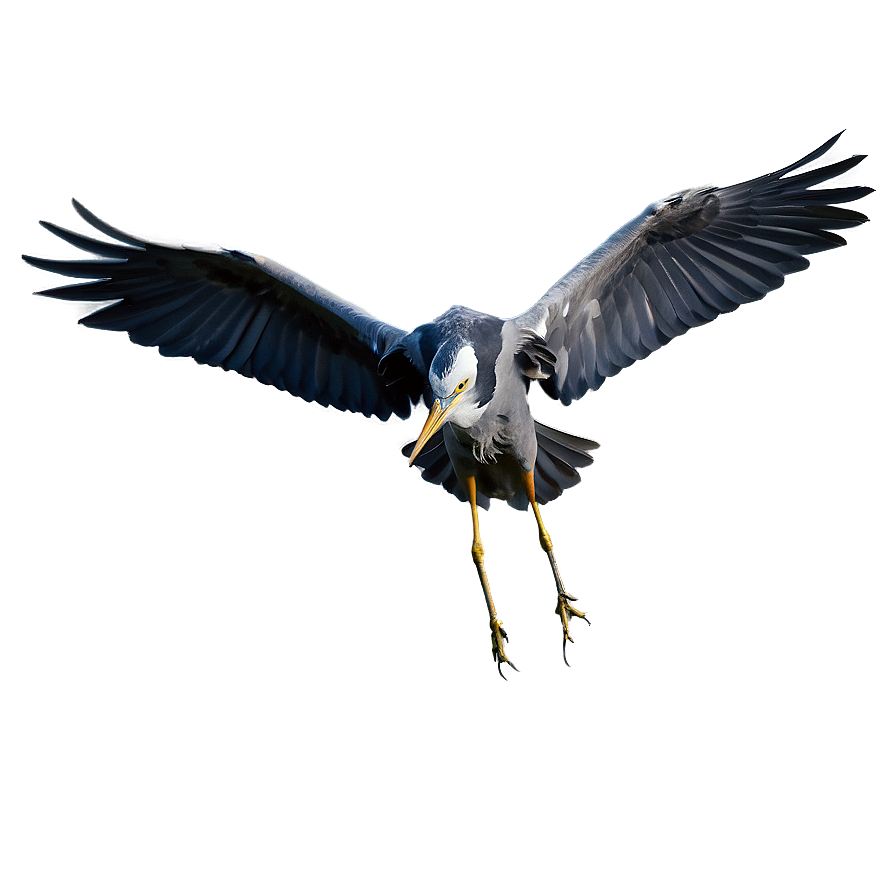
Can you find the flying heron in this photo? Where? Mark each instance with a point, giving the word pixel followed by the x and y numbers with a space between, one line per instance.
pixel 680 263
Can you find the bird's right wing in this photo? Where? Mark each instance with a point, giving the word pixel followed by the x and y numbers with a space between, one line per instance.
pixel 237 311
pixel 680 264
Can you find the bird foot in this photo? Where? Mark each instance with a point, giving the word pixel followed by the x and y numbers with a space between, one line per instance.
pixel 566 611
pixel 498 637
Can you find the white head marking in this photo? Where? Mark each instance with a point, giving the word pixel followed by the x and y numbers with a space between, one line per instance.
pixel 464 367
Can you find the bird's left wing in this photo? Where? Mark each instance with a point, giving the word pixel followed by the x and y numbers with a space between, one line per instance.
pixel 237 311
pixel 681 263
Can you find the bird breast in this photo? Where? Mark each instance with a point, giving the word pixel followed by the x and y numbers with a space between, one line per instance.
pixel 502 430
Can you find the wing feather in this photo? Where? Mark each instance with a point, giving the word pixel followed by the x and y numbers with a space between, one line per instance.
pixel 684 261
pixel 236 311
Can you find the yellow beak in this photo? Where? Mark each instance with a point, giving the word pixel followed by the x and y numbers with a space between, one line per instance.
pixel 434 422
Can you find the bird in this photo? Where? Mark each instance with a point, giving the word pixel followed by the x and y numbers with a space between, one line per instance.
pixel 679 264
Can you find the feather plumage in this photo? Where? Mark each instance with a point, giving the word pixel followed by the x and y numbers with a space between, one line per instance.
pixel 681 263
pixel 240 312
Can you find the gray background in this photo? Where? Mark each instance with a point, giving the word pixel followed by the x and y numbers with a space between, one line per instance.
pixel 208 685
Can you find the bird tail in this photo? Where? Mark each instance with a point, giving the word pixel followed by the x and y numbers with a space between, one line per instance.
pixel 560 454
pixel 557 463
pixel 435 466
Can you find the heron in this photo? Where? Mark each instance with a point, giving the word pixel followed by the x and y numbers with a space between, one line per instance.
pixel 679 264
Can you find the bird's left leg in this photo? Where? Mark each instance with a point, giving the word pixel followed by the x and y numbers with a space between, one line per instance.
pixel 564 610
pixel 498 633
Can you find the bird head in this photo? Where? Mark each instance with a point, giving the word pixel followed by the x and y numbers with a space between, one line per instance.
pixel 452 378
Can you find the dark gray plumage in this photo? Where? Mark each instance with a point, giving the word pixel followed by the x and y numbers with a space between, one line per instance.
pixel 679 264
pixel 237 311
pixel 557 461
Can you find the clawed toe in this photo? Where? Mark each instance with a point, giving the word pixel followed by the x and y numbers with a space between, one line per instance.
pixel 563 600
pixel 509 664
pixel 565 611
pixel 498 654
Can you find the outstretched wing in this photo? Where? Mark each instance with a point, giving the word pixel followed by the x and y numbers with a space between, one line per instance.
pixel 681 263
pixel 236 311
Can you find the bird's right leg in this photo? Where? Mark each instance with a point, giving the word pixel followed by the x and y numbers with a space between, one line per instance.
pixel 565 610
pixel 498 633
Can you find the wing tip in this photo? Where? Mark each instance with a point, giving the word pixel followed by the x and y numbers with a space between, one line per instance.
pixel 830 142
pixel 42 264
pixel 108 229
pixel 55 229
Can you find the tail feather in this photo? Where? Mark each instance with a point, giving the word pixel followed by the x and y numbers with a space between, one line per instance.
pixel 560 456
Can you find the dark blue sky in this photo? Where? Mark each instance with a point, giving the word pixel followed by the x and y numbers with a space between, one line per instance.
pixel 244 649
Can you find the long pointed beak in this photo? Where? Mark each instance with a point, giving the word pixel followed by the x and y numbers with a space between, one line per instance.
pixel 434 422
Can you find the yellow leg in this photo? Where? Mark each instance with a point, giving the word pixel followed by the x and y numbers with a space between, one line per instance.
pixel 564 610
pixel 498 633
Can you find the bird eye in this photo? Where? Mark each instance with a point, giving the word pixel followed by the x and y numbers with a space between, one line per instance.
pixel 462 386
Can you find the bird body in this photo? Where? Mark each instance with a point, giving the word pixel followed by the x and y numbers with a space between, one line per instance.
pixel 491 433
pixel 677 265
pixel 479 350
